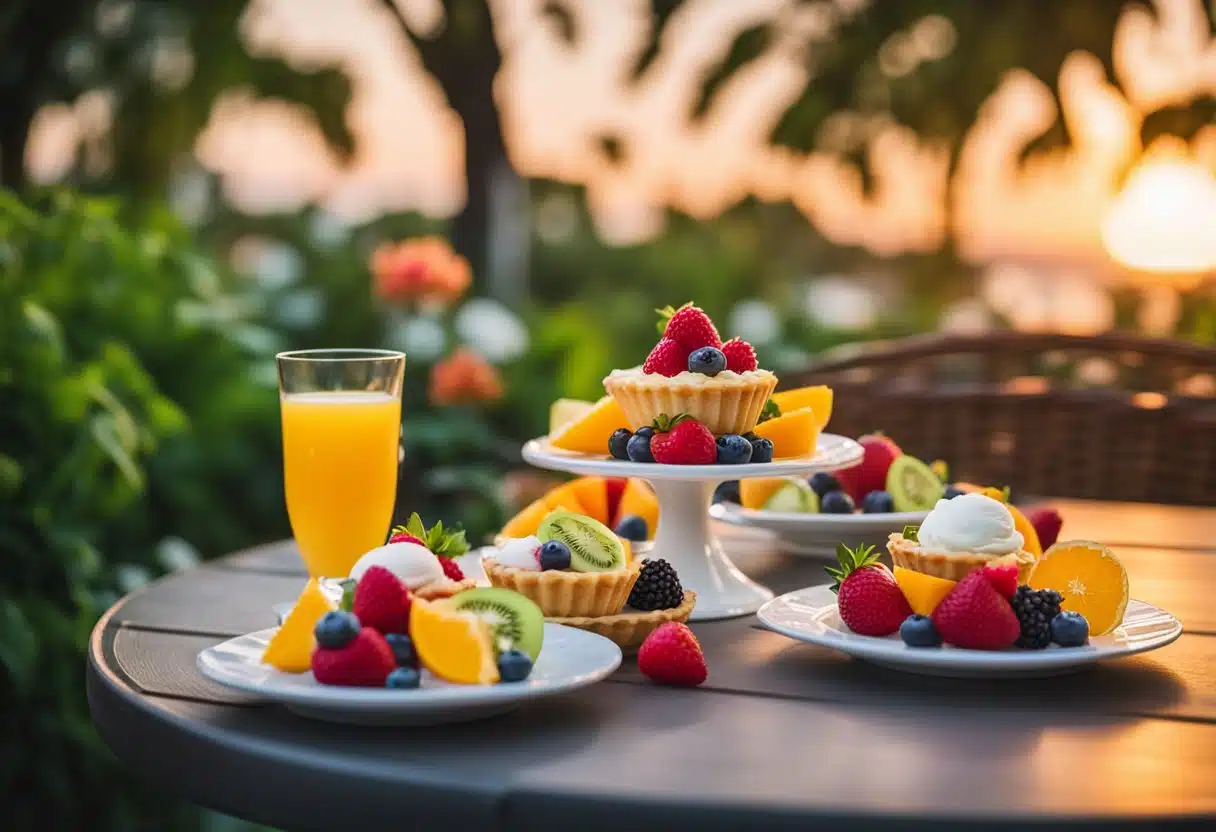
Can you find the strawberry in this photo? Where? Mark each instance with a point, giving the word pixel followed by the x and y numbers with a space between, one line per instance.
pixel 1047 523
pixel 682 441
pixel 880 452
pixel 740 357
pixel 451 569
pixel 850 480
pixel 401 536
pixel 975 615
pixel 1003 575
pixel 615 486
pixel 365 662
pixel 869 600
pixel 689 326
pixel 382 601
pixel 668 358
pixel 671 656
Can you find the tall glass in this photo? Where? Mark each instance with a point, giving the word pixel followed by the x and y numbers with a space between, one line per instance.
pixel 341 433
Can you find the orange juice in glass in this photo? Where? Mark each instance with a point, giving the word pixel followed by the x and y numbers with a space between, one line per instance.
pixel 341 414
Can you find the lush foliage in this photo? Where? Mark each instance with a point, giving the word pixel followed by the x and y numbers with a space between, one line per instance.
pixel 131 421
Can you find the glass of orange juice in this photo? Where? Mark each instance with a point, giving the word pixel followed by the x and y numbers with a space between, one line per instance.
pixel 341 438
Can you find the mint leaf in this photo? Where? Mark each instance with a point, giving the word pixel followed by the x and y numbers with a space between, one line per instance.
pixel 912 533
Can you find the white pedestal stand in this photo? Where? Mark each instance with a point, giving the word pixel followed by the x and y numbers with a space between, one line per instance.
pixel 684 493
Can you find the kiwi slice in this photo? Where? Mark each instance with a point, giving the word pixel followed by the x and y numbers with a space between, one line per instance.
pixel 913 485
pixel 517 621
pixel 795 497
pixel 593 546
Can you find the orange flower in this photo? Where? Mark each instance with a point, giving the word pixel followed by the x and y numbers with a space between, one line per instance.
pixel 464 377
pixel 422 269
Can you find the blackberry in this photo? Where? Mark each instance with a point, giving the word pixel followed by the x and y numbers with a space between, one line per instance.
pixel 1035 608
pixel 658 587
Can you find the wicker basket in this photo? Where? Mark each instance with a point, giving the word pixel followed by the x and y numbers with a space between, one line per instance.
pixel 1108 417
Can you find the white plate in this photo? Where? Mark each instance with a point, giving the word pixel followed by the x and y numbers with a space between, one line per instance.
pixel 816 535
pixel 570 659
pixel 831 453
pixel 810 615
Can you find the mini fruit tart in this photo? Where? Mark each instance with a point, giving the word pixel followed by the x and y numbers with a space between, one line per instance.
pixel 960 536
pixel 690 370
pixel 574 566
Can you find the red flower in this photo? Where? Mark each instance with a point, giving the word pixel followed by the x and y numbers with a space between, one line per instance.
pixel 464 377
pixel 422 269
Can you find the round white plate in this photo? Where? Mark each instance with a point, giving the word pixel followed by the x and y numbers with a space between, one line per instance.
pixel 831 453
pixel 810 615
pixel 816 535
pixel 571 659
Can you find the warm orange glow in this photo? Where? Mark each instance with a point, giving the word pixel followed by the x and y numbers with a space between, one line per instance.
pixel 1164 219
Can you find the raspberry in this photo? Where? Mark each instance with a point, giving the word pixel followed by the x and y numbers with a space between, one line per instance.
pixel 382 601
pixel 740 357
pixel 684 442
pixel 691 327
pixel 657 588
pixel 668 358
pixel 671 656
pixel 451 569
pixel 365 661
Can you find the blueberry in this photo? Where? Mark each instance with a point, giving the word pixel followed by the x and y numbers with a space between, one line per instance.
pixel 632 527
pixel 514 665
pixel 554 555
pixel 727 492
pixel 836 502
pixel 762 450
pixel 952 491
pixel 336 629
pixel 618 443
pixel 638 448
pixel 823 482
pixel 750 436
pixel 733 449
pixel 919 631
pixel 404 678
pixel 708 361
pixel 645 430
pixel 877 502
pixel 403 649
pixel 1069 629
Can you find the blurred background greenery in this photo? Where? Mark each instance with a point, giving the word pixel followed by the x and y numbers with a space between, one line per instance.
pixel 142 298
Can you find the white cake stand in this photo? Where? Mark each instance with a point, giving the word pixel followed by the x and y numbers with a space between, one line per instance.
pixel 684 493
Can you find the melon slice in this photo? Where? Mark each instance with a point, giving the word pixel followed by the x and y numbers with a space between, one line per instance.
pixel 593 495
pixel 640 500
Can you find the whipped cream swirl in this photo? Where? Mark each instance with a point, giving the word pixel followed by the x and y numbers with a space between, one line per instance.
pixel 970 523
pixel 520 553
pixel 413 565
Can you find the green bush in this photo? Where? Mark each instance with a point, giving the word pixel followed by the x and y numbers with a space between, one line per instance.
pixel 130 413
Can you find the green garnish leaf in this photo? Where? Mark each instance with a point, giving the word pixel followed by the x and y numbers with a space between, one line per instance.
pixel 771 411
pixel 912 533
pixel 851 560
pixel 347 604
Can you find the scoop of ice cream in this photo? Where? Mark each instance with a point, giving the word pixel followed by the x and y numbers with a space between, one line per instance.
pixel 970 523
pixel 413 565
pixel 520 553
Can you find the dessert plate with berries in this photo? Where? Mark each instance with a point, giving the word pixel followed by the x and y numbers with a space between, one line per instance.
pixel 985 622
pixel 887 490
pixel 571 659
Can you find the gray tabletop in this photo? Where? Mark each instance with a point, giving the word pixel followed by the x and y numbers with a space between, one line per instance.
pixel 783 735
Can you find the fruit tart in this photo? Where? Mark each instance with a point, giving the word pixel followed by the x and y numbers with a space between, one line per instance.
pixel 573 566
pixel 422 559
pixel 691 371
pixel 960 536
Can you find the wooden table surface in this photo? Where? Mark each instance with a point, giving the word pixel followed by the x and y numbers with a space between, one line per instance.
pixel 782 735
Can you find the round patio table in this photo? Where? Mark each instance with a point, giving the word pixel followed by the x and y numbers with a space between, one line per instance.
pixel 782 736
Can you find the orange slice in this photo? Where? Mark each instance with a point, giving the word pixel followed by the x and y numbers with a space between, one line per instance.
pixel 923 592
pixel 817 398
pixel 792 434
pixel 640 500
pixel 566 496
pixel 1091 579
pixel 589 434
pixel 755 493
pixel 592 494
pixel 290 649
pixel 455 646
